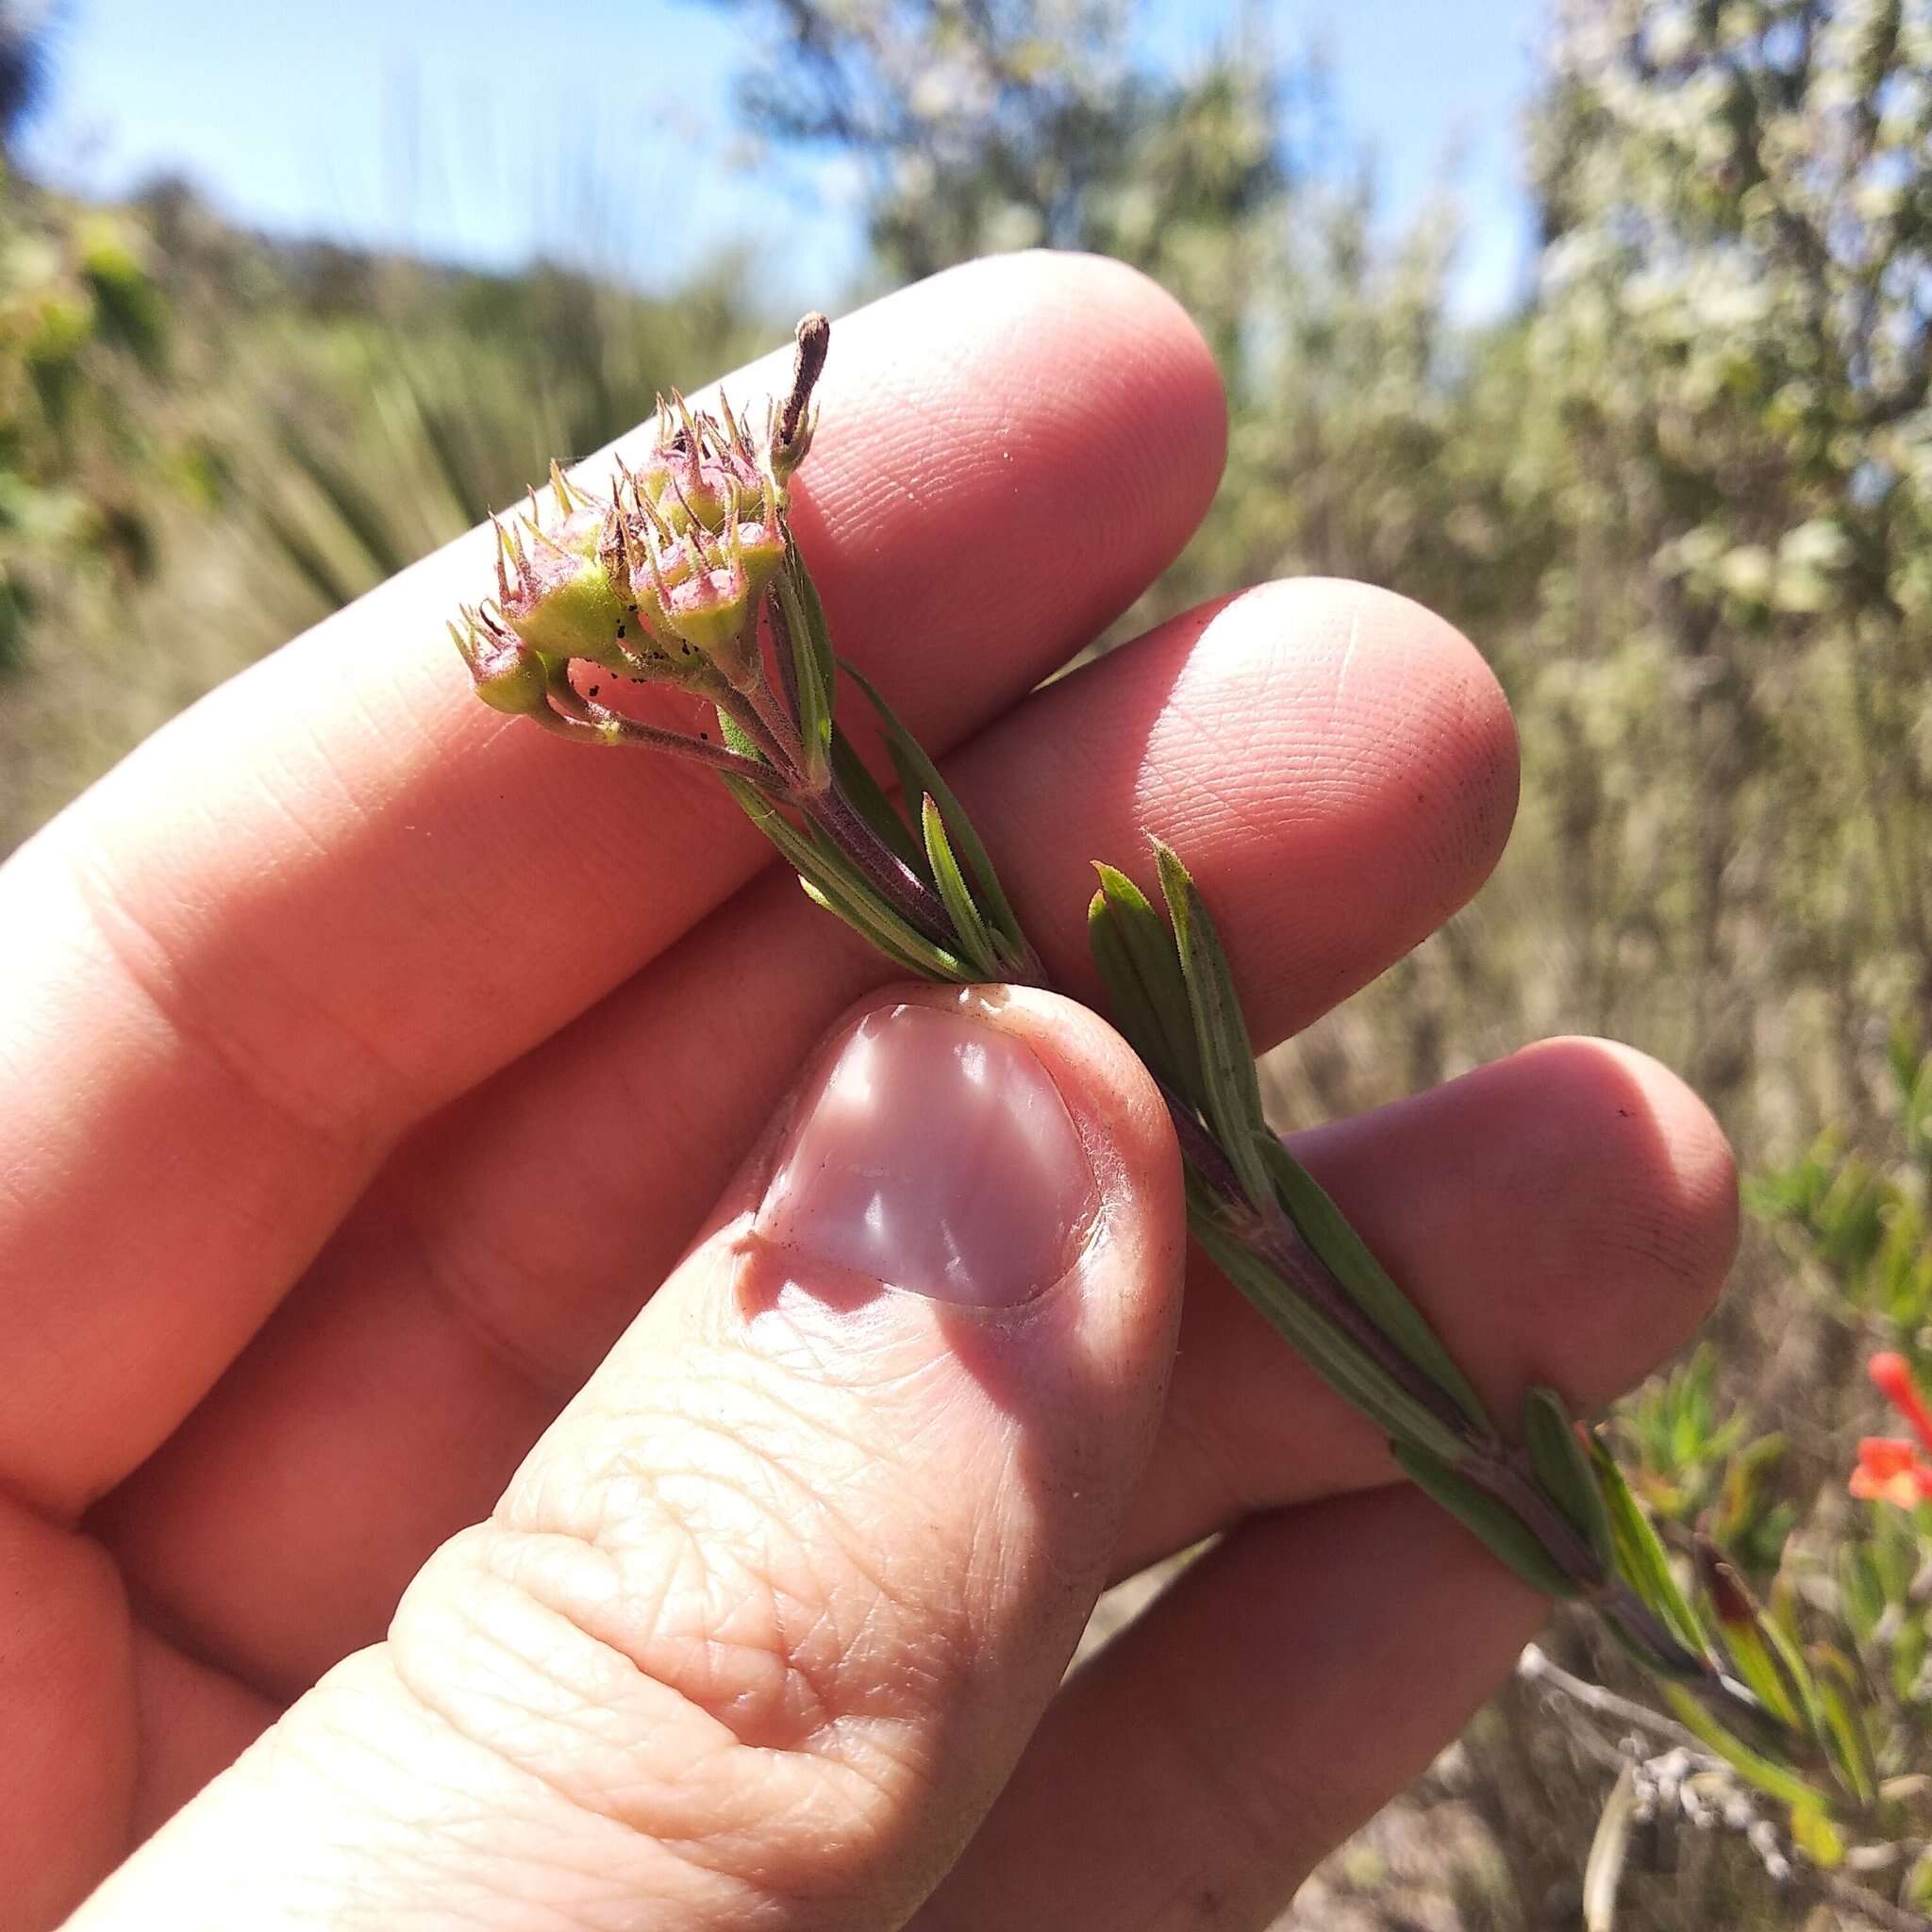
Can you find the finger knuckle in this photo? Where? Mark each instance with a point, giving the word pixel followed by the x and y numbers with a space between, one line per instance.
pixel 676 1633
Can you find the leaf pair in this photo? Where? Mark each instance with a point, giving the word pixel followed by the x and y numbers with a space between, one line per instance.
pixel 831 881
pixel 1171 993
pixel 986 931
pixel 972 933
pixel 806 663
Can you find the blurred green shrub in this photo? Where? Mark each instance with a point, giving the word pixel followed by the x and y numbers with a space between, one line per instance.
pixel 325 416
pixel 83 334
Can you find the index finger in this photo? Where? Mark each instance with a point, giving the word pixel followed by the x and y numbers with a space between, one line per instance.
pixel 325 900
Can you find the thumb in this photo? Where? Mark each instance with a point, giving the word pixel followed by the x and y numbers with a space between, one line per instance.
pixel 763 1621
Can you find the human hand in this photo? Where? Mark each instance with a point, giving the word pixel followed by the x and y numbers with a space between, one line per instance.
pixel 373 1059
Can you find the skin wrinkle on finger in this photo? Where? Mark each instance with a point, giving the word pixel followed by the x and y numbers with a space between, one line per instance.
pixel 288 958
pixel 565 1110
pixel 902 1502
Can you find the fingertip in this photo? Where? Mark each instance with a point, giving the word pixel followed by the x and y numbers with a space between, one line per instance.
pixel 1164 393
pixel 1093 311
pixel 1303 740
pixel 1395 668
pixel 1666 1217
pixel 1592 1194
pixel 1053 428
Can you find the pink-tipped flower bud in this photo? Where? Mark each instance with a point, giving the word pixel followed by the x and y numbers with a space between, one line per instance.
pixel 697 591
pixel 509 675
pixel 697 599
pixel 552 583
pixel 703 472
pixel 711 607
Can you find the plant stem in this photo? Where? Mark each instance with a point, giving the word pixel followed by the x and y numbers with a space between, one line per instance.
pixel 1273 1237
pixel 1493 1465
pixel 777 721
pixel 583 719
pixel 766 723
pixel 901 888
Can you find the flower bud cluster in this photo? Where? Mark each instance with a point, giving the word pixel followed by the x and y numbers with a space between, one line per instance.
pixel 663 581
pixel 694 536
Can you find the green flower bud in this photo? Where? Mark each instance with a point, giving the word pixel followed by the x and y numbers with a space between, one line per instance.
pixel 509 675
pixel 696 599
pixel 553 586
pixel 700 592
pixel 761 552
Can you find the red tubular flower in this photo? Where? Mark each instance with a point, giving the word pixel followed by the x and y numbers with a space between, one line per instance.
pixel 1892 1469
pixel 1891 1375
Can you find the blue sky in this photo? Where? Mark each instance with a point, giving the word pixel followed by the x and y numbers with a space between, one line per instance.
pixel 476 131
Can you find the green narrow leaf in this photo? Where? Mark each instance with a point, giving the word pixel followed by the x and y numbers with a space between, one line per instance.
pixel 1564 1471
pixel 1350 1260
pixel 1495 1524
pixel 1861 1592
pixel 1230 1087
pixel 813 612
pixel 814 716
pixel 811 668
pixel 919 776
pixel 1640 1558
pixel 1760 1770
pixel 842 911
pixel 1321 1345
pixel 1747 1635
pixel 1609 1846
pixel 975 942
pixel 1143 975
pixel 1802 1685
pixel 833 885
pixel 1129 1006
pixel 1817 1837
pixel 866 797
pixel 734 738
pixel 1842 1696
pixel 1638 1652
